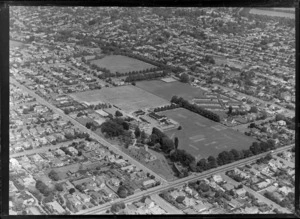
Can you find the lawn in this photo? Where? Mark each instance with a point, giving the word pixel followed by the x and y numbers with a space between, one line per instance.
pixel 168 90
pixel 128 98
pixel 202 137
pixel 122 64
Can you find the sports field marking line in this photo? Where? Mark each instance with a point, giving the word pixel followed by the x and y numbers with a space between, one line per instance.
pixel 201 139
pixel 199 124
pixel 182 116
pixel 215 128
pixel 194 147
pixel 196 136
pixel 227 136
pixel 214 142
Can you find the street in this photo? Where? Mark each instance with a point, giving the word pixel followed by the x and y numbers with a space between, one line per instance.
pixel 42 149
pixel 151 191
pixel 84 129
pixel 165 205
pixel 256 194
pixel 181 182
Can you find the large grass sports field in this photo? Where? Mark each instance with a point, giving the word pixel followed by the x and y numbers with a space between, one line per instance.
pixel 122 64
pixel 202 137
pixel 128 98
pixel 168 90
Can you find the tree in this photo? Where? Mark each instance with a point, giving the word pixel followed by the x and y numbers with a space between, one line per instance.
pixel 53 175
pixel 204 187
pixel 180 199
pixel 117 207
pixel 230 110
pixel 271 143
pixel 122 192
pixel 137 132
pixel 42 187
pixel 202 164
pixel 252 125
pixel 253 109
pixel 88 125
pixel 255 148
pixel 184 78
pixel 176 141
pixel 212 162
pixel 59 187
pixel 247 153
pixel 118 114
pixel 167 144
pixel 71 191
pixel 236 154
pixel 125 125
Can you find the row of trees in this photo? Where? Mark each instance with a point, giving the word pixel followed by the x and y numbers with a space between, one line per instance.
pixel 183 157
pixel 166 107
pixel 148 76
pixel 226 157
pixel 121 74
pixel 196 109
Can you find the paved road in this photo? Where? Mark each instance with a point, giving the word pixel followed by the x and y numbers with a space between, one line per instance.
pixel 43 149
pixel 114 148
pixel 155 190
pixel 169 208
pixel 256 194
pixel 181 182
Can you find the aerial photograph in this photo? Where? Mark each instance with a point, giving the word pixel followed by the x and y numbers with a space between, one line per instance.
pixel 151 110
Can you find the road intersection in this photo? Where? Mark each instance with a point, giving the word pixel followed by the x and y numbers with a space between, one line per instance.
pixel 152 191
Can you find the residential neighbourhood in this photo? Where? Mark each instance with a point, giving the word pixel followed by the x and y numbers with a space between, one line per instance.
pixel 151 111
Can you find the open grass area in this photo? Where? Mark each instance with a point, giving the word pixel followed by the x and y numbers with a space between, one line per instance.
pixel 160 166
pixel 122 64
pixel 128 98
pixel 202 137
pixel 168 90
